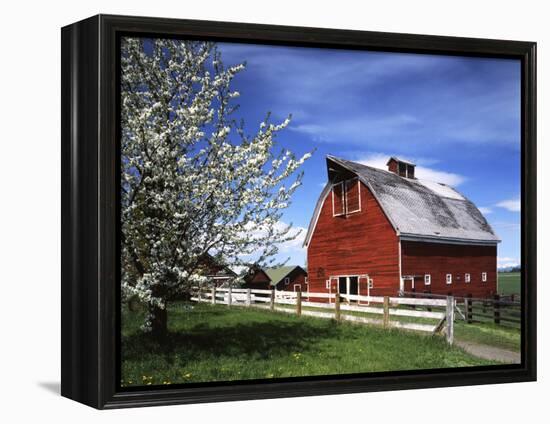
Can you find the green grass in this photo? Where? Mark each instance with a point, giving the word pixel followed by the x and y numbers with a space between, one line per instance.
pixel 489 334
pixel 215 343
pixel 509 283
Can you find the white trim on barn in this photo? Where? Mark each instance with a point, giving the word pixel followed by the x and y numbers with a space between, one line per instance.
pixel 341 183
pixel 358 194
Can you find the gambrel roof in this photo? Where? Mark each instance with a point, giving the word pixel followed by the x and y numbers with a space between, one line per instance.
pixel 417 209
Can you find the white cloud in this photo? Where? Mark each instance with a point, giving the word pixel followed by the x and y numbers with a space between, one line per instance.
pixel 291 249
pixel 379 160
pixel 505 262
pixel 513 205
pixel 485 210
pixel 292 245
pixel 505 226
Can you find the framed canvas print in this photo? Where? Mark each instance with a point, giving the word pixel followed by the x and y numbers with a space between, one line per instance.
pixel 253 211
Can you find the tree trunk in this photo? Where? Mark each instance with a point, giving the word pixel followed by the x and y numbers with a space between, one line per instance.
pixel 159 322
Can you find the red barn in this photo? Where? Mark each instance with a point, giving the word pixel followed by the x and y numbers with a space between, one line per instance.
pixel 377 232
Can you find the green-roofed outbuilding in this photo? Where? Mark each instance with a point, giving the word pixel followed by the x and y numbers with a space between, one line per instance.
pixel 287 278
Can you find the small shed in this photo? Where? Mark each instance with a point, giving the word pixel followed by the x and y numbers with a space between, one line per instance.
pixel 287 278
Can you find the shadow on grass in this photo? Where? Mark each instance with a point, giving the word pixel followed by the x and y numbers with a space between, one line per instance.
pixel 256 339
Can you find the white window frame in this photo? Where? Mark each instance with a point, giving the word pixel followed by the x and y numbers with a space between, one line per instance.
pixel 341 183
pixel 350 181
pixel 484 277
pixel 299 287
pixel 327 284
pixel 427 279
pixel 287 281
pixel 467 278
pixel 305 280
pixel 449 279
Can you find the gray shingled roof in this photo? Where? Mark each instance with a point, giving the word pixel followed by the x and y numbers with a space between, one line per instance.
pixel 419 209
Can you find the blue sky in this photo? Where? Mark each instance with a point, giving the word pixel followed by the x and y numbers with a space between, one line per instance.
pixel 457 118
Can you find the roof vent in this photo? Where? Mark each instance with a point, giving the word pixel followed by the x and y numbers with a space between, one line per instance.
pixel 401 167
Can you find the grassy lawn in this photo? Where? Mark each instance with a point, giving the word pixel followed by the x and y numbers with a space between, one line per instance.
pixel 489 334
pixel 215 343
pixel 509 283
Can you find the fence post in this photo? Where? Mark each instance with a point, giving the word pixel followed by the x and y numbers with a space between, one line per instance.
pixel 248 297
pixel 386 311
pixel 468 308
pixel 214 295
pixel 450 318
pixel 272 300
pixel 299 303
pixel 496 309
pixel 337 306
pixel 229 291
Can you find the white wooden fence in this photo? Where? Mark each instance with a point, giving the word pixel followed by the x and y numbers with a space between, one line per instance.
pixel 379 310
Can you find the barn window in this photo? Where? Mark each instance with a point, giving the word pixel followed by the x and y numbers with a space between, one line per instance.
pixel 427 279
pixel 449 278
pixel 338 205
pixel 466 278
pixel 484 277
pixel 402 167
pixel 327 284
pixel 353 196
pixel 287 281
pixel 346 197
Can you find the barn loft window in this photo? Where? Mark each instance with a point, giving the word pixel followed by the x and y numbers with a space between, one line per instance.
pixel 346 197
pixel 449 278
pixel 427 279
pixel 338 205
pixel 353 196
pixel 466 278
pixel 484 277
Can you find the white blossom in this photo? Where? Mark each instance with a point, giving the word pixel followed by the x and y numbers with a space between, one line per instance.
pixel 193 184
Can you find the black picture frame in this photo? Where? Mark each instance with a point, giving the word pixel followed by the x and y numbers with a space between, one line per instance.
pixel 90 182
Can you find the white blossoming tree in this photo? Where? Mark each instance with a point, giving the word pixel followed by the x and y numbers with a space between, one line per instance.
pixel 193 183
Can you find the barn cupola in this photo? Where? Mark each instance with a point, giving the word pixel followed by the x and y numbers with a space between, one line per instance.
pixel 401 167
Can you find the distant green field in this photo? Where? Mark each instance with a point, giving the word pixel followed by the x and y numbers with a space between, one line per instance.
pixel 509 283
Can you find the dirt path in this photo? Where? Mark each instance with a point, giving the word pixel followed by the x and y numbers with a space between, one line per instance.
pixel 490 352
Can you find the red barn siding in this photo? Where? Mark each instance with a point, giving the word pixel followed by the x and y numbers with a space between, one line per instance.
pixel 258 280
pixel 357 244
pixel 436 259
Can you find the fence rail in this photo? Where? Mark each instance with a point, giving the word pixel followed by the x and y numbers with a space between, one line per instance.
pixel 501 310
pixel 434 315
